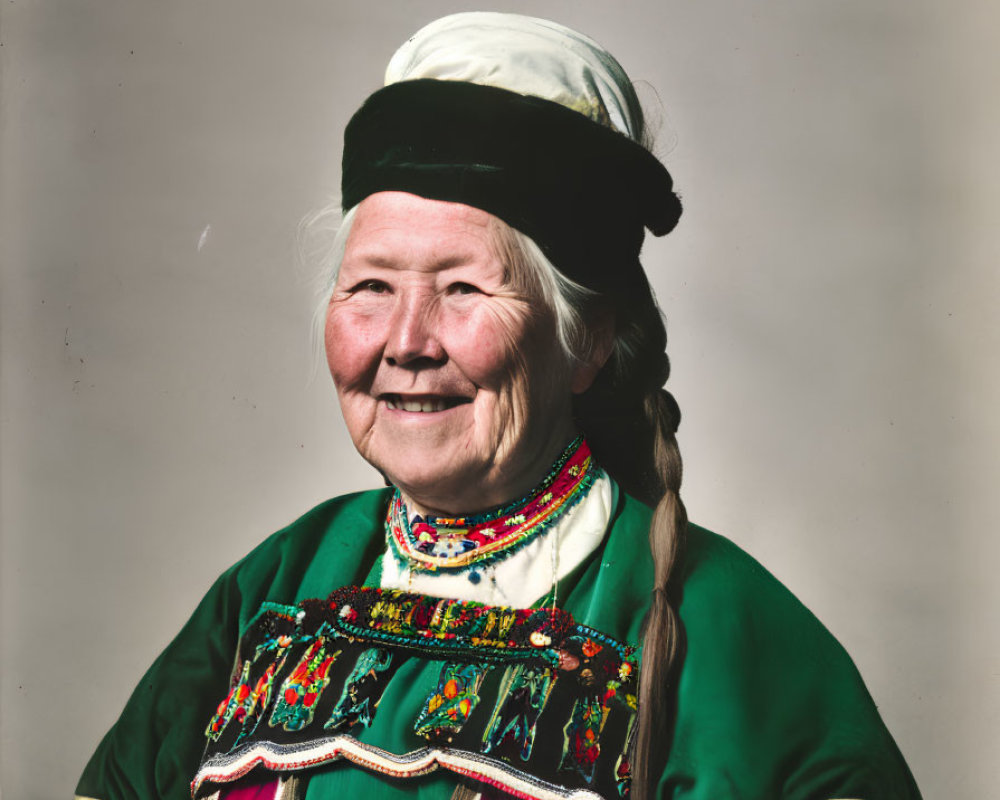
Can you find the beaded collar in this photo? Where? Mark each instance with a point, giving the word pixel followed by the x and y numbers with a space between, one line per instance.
pixel 460 543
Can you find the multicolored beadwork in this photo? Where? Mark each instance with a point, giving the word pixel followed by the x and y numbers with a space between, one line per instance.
pixel 458 543
pixel 449 629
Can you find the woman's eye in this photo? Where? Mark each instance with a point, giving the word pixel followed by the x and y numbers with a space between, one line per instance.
pixel 463 288
pixel 373 286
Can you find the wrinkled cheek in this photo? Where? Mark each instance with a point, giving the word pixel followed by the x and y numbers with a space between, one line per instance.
pixel 489 344
pixel 509 380
pixel 349 361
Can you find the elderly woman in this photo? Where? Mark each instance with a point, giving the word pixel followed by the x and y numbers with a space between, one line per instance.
pixel 525 611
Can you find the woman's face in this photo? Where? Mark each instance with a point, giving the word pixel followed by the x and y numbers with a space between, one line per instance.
pixel 452 383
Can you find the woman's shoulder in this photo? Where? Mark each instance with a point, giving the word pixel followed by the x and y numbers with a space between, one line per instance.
pixel 333 544
pixel 342 518
pixel 716 570
pixel 729 598
pixel 768 691
pixel 716 580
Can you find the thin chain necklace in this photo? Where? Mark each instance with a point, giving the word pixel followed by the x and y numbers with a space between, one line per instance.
pixel 457 544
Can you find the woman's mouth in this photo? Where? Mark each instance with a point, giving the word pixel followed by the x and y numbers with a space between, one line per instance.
pixel 422 403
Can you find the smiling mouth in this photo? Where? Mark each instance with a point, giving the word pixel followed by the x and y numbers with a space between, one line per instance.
pixel 424 404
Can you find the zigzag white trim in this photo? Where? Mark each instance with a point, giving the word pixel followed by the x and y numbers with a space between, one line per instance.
pixel 223 769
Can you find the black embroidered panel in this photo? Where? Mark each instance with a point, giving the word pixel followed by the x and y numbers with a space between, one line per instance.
pixel 528 692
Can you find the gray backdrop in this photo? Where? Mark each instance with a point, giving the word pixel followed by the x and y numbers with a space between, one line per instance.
pixel 830 293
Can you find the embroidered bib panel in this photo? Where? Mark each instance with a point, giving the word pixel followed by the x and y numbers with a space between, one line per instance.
pixel 525 700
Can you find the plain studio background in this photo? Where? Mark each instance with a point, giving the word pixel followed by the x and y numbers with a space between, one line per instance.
pixel 830 295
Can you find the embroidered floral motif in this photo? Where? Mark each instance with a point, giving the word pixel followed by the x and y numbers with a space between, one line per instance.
pixel 450 704
pixel 362 690
pixel 270 627
pixel 458 543
pixel 524 691
pixel 228 708
pixel 296 702
pixel 583 733
pixel 258 700
pixel 601 678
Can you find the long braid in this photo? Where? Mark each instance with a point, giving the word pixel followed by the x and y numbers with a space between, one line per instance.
pixel 662 636
pixel 638 447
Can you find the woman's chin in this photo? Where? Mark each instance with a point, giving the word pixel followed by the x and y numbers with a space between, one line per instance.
pixel 453 480
pixel 441 493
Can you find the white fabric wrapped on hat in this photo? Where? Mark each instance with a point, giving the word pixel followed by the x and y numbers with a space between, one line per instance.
pixel 526 55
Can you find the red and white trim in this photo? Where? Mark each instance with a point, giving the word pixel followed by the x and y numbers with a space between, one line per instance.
pixel 480 768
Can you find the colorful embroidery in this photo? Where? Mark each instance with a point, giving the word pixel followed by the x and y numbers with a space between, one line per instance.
pixel 229 707
pixel 448 629
pixel 603 661
pixel 270 626
pixel 362 690
pixel 457 543
pixel 563 684
pixel 582 736
pixel 296 702
pixel 449 706
pixel 623 767
pixel 601 678
pixel 524 692
pixel 255 704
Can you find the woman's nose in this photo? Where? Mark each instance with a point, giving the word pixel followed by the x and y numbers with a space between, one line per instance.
pixel 413 336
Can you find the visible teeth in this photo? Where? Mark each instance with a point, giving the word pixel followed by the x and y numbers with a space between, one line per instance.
pixel 424 406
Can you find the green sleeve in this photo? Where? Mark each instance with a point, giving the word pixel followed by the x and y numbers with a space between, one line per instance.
pixel 769 704
pixel 154 748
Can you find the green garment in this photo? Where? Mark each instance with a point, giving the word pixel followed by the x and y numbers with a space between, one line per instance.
pixel 769 705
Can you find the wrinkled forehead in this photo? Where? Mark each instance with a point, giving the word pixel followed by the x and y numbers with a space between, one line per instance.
pixel 394 228
pixel 405 231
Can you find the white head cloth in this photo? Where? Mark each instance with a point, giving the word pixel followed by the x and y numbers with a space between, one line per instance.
pixel 526 55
